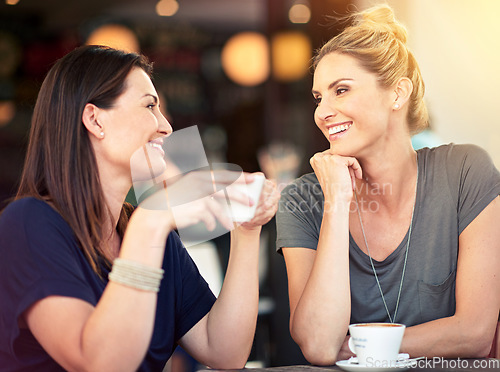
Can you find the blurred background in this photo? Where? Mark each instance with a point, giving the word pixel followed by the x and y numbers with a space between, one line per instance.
pixel 239 70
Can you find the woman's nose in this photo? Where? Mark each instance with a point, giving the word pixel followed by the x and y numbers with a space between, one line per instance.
pixel 164 126
pixel 325 110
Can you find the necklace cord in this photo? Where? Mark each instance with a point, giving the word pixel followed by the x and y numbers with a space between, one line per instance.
pixel 391 319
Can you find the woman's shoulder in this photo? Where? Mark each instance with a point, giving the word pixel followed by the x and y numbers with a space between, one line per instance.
pixel 27 206
pixel 32 215
pixel 460 167
pixel 456 157
pixel 453 151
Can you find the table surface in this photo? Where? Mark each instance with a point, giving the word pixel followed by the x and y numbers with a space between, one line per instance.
pixel 430 364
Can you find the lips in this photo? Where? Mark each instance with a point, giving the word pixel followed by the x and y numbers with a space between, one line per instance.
pixel 157 145
pixel 338 128
pixel 336 131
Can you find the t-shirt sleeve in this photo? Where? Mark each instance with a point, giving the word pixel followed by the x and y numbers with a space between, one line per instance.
pixel 299 214
pixel 478 181
pixel 197 298
pixel 38 260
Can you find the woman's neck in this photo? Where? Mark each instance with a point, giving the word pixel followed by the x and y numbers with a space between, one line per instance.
pixel 388 176
pixel 115 189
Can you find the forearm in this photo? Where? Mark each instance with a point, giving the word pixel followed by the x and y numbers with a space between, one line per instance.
pixel 232 320
pixel 450 337
pixel 117 334
pixel 321 317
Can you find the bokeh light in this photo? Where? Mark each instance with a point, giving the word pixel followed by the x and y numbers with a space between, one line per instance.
pixel 167 8
pixel 299 13
pixel 245 58
pixel 115 36
pixel 291 55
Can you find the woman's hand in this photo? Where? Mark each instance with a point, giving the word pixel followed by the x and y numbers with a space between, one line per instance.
pixel 345 352
pixel 336 175
pixel 266 207
pixel 201 196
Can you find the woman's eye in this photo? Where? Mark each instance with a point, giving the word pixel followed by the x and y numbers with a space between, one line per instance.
pixel 341 91
pixel 317 100
pixel 151 106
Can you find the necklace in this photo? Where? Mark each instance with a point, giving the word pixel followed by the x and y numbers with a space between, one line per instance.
pixel 391 319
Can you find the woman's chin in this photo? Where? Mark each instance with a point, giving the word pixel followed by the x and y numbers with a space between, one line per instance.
pixel 147 167
pixel 154 174
pixel 342 149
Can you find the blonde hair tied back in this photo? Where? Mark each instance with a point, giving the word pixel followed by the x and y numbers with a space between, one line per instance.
pixel 378 41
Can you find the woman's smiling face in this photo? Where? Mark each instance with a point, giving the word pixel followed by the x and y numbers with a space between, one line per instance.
pixel 353 110
pixel 134 128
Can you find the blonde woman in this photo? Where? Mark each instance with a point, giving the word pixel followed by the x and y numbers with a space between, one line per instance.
pixel 380 232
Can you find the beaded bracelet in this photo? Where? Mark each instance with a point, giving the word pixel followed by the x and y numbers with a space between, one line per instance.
pixel 135 275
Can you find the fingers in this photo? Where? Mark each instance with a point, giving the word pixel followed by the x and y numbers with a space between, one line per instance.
pixel 228 177
pixel 325 164
pixel 207 210
pixel 356 167
pixel 246 193
pixel 353 179
pixel 268 205
pixel 218 212
pixel 208 218
pixel 238 194
pixel 191 205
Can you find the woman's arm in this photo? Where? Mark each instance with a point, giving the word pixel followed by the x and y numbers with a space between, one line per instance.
pixel 318 281
pixel 468 333
pixel 223 338
pixel 318 286
pixel 115 335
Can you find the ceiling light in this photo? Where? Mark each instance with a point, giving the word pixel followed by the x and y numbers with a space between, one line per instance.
pixel 115 36
pixel 245 58
pixel 167 8
pixel 299 13
pixel 291 55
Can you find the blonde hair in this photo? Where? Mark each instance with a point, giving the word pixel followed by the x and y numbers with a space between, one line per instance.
pixel 378 41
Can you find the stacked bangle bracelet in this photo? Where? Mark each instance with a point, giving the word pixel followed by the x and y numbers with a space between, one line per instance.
pixel 135 275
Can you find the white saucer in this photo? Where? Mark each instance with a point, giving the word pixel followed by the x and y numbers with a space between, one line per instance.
pixel 351 365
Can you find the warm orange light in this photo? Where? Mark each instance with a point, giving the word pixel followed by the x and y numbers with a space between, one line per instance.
pixel 299 13
pixel 7 112
pixel 11 2
pixel 167 8
pixel 245 58
pixel 291 55
pixel 115 36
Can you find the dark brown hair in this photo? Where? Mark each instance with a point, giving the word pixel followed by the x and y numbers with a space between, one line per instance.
pixel 60 164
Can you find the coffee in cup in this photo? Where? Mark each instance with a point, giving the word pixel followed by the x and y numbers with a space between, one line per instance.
pixel 376 344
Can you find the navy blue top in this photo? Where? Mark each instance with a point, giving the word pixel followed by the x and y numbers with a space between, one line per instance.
pixel 40 257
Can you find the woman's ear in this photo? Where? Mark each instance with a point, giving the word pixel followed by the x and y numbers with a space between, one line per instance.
pixel 89 119
pixel 402 91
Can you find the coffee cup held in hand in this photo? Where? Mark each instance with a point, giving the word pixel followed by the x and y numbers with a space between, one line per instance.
pixel 239 211
pixel 376 344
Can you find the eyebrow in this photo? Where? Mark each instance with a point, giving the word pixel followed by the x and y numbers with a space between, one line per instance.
pixel 152 96
pixel 332 85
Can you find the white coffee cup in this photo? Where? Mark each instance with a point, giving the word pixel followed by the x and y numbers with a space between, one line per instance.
pixel 376 344
pixel 241 212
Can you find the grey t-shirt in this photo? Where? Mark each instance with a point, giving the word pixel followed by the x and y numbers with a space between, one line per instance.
pixel 455 183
